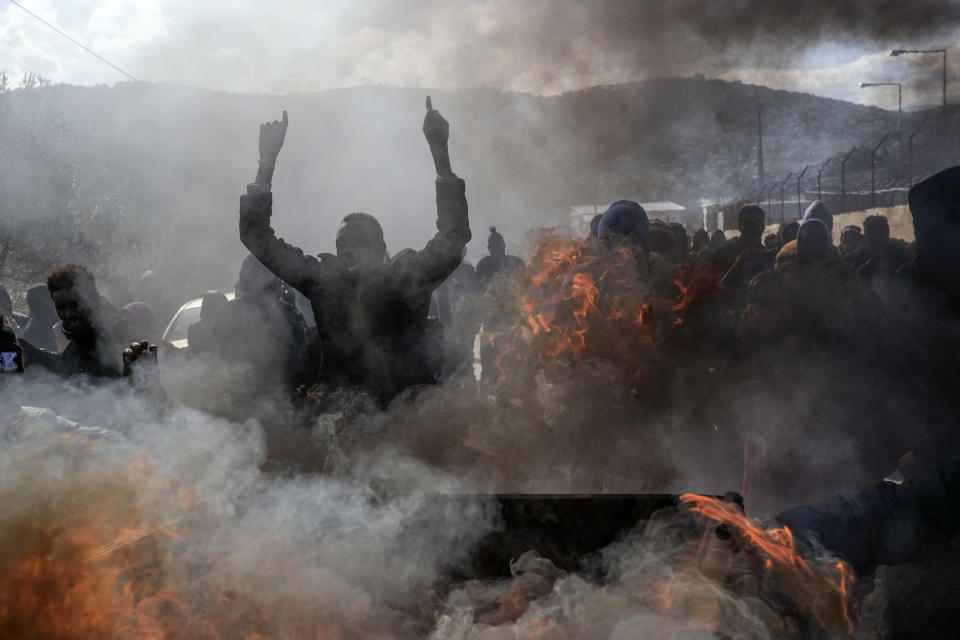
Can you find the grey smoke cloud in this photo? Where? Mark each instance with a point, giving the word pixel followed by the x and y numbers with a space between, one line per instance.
pixel 537 46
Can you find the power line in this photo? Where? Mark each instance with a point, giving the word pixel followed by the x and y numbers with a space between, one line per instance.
pixel 87 49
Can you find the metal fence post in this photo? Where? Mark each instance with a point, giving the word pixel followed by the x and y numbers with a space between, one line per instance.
pixel 782 185
pixel 843 180
pixel 799 198
pixel 873 171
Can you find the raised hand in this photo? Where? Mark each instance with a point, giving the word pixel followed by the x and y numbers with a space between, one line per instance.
pixel 136 352
pixel 272 135
pixel 437 131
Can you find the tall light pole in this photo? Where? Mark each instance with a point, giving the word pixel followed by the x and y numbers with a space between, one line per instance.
pixel 899 98
pixel 943 106
pixel 760 141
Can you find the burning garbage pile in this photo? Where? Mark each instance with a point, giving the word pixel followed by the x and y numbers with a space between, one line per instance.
pixel 121 532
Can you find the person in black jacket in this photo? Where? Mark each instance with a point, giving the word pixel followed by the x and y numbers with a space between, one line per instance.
pixel 262 334
pixel 371 311
pixel 96 330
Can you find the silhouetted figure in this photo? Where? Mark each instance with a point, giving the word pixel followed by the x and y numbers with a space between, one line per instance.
pixel 717 239
pixel 6 308
pixel 851 241
pixel 680 237
pixel 701 240
pixel 594 225
pixel 880 255
pixel 149 289
pixel 624 223
pixel 96 331
pixel 39 328
pixel 200 338
pixel 787 232
pixel 750 221
pixel 11 353
pixel 935 205
pixel 371 313
pixel 819 211
pixel 262 334
pixel 457 307
pixel 141 322
pixel 497 263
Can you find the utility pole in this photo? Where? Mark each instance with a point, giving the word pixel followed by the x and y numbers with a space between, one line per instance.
pixel 760 141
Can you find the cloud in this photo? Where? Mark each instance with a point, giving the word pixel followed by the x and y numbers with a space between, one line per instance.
pixel 919 75
pixel 538 46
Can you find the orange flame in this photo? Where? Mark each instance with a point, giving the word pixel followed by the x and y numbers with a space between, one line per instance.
pixel 581 304
pixel 823 597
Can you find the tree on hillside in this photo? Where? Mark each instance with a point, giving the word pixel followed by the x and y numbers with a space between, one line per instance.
pixel 58 202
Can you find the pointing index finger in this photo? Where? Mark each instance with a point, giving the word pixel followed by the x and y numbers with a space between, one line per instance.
pixel 285 120
pixel 429 104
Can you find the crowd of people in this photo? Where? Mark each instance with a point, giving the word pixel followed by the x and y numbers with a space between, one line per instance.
pixel 819 332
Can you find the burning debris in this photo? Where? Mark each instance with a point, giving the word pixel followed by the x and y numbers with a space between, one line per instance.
pixel 317 459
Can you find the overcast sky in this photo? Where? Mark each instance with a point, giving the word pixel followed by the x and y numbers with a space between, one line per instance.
pixel 824 47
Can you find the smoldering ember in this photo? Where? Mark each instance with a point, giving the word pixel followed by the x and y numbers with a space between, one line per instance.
pixel 674 352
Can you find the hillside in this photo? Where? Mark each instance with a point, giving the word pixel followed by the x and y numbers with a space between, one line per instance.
pixel 177 158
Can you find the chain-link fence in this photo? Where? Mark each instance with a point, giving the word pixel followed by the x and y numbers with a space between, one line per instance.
pixel 878 173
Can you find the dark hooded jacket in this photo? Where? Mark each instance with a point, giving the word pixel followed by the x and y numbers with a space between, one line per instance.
pixel 374 328
pixel 888 523
pixel 935 205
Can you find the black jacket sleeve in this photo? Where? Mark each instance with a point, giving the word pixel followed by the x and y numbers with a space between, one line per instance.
pixel 887 523
pixel 433 264
pixel 285 261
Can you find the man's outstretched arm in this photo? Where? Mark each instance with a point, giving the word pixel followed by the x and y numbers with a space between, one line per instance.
pixel 285 261
pixel 435 262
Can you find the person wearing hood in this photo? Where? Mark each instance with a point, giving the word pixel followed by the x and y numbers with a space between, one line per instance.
pixel 497 263
pixel 95 330
pixel 816 211
pixel 819 211
pixel 43 316
pixel 371 311
pixel 935 206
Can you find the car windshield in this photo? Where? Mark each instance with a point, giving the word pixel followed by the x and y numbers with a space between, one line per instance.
pixel 178 328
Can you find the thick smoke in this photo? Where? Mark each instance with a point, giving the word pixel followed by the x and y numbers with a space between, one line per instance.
pixel 176 500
